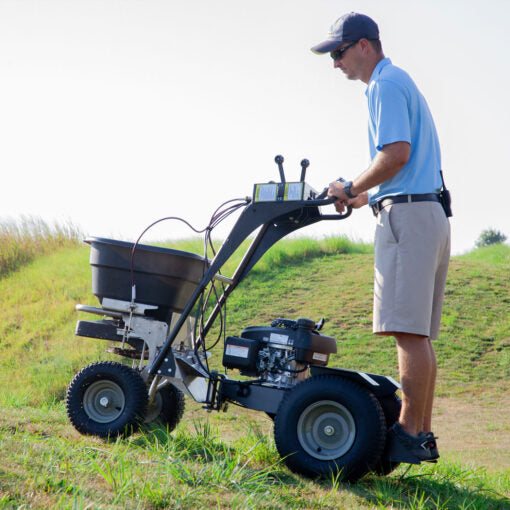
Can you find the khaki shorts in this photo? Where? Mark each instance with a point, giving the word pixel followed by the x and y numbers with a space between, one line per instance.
pixel 412 252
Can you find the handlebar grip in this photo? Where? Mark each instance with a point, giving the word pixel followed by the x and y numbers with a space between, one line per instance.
pixel 342 216
pixel 325 201
pixel 322 194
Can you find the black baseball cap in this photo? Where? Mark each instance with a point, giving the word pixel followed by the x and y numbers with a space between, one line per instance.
pixel 349 27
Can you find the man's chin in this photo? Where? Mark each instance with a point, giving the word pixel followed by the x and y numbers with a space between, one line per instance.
pixel 348 75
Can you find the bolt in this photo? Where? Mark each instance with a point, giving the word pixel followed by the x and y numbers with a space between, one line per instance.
pixel 104 401
pixel 329 430
pixel 169 369
pixel 166 360
pixel 159 371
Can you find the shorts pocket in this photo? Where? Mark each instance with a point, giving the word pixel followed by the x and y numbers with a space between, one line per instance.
pixel 391 224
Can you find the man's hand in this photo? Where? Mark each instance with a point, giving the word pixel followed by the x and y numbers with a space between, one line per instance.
pixel 359 201
pixel 386 164
pixel 336 189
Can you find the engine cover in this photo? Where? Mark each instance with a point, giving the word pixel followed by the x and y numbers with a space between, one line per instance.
pixel 260 347
pixel 309 345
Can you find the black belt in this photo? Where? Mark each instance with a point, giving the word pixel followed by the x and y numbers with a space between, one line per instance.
pixel 401 199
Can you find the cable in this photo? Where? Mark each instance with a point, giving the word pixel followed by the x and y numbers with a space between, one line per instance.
pixel 135 246
pixel 217 217
pixel 212 223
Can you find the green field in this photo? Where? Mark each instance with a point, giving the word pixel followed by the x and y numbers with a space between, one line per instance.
pixel 229 460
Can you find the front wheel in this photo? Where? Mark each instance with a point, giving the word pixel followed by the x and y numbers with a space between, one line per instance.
pixel 328 424
pixel 106 399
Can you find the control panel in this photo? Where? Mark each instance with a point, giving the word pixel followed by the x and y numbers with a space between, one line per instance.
pixel 284 191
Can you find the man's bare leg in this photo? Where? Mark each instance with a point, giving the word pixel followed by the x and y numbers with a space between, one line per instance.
pixel 427 417
pixel 417 367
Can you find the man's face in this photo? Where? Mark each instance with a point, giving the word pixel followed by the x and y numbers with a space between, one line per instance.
pixel 350 61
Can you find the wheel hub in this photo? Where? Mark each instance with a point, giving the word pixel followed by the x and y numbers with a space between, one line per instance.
pixel 104 401
pixel 326 430
pixel 329 430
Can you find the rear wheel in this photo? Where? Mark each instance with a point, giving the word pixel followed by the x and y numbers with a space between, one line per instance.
pixel 106 399
pixel 328 424
pixel 167 407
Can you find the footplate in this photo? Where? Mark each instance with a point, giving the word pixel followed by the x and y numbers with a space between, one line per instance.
pixel 104 330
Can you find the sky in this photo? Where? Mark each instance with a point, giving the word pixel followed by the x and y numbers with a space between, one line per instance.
pixel 115 113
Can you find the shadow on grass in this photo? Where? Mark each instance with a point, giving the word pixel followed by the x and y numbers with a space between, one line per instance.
pixel 449 487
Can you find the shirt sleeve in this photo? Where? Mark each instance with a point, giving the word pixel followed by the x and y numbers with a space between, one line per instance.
pixel 391 114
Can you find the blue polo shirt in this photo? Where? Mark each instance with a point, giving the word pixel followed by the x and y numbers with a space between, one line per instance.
pixel 398 112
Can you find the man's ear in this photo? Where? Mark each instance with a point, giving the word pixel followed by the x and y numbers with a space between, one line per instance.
pixel 364 45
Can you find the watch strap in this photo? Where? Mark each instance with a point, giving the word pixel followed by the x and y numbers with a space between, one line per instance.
pixel 347 189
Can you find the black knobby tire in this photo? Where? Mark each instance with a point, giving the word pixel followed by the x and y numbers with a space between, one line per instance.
pixel 328 424
pixel 391 405
pixel 106 399
pixel 167 408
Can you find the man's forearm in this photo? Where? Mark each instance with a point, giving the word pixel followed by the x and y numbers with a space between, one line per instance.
pixel 386 164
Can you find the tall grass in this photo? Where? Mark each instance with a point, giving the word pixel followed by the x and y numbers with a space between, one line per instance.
pixel 24 239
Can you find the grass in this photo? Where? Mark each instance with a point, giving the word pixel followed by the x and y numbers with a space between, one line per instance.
pixel 291 252
pixel 195 468
pixel 37 320
pixel 23 240
pixel 493 254
pixel 229 460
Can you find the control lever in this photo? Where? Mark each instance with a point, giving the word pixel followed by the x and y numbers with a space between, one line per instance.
pixel 279 161
pixel 304 165
pixel 320 324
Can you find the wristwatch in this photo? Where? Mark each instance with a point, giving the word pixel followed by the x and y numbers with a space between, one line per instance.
pixel 347 189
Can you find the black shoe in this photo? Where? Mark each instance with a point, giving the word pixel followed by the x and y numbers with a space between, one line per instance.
pixel 404 447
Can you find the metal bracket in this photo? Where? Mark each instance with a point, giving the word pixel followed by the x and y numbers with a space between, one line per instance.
pixel 126 306
pixel 167 367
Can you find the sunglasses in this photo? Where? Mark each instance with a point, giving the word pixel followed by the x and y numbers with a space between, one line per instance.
pixel 338 54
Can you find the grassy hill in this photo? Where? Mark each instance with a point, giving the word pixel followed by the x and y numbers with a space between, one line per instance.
pixel 229 460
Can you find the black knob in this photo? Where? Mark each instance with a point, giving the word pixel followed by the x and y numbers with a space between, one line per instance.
pixel 279 160
pixel 304 165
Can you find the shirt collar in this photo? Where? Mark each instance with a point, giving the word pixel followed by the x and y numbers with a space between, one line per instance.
pixel 377 71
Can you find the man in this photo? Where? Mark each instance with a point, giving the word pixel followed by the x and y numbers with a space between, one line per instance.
pixel 412 239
